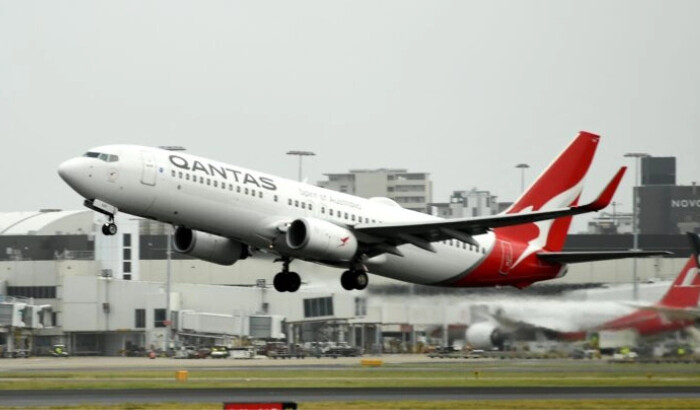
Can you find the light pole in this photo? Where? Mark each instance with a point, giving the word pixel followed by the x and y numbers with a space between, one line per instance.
pixel 168 310
pixel 614 214
pixel 522 167
pixel 301 154
pixel 635 239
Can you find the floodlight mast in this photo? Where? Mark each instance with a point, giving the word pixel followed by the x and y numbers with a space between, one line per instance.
pixel 301 154
pixel 522 167
pixel 635 225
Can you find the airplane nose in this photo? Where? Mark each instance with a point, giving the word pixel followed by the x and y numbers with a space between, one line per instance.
pixel 69 170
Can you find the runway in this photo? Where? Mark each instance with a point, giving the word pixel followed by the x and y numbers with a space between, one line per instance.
pixel 413 362
pixel 29 398
pixel 81 364
pixel 415 365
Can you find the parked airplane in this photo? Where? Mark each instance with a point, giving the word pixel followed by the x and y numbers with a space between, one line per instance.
pixel 676 310
pixel 223 213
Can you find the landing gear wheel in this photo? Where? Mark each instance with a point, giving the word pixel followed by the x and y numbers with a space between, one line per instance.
pixel 347 280
pixel 109 229
pixel 287 282
pixel 293 281
pixel 352 279
pixel 279 282
pixel 361 280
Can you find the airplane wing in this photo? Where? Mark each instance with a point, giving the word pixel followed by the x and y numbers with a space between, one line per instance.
pixel 385 237
pixel 577 257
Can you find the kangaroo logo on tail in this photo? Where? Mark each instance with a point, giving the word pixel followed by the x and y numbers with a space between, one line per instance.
pixel 559 186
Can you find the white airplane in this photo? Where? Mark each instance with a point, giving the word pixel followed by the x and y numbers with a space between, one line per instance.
pixel 676 310
pixel 223 213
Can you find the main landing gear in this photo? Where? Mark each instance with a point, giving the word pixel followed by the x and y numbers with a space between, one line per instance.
pixel 286 281
pixel 354 279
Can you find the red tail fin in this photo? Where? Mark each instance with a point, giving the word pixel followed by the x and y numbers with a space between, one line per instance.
pixel 685 290
pixel 559 186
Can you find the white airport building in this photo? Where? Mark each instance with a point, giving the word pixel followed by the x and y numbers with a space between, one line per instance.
pixel 62 282
pixel 411 190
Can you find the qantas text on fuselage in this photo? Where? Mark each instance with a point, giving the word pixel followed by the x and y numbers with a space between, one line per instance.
pixel 222 171
pixel 224 213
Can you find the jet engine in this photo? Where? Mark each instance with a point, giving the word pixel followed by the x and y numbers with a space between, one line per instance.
pixel 321 240
pixel 485 335
pixel 208 247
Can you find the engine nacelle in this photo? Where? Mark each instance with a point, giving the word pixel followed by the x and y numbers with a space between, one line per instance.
pixel 321 240
pixel 208 247
pixel 485 335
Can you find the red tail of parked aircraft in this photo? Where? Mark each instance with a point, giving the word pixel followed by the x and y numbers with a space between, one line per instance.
pixel 677 309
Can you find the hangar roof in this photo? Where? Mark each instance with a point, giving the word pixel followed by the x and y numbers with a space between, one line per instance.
pixel 46 222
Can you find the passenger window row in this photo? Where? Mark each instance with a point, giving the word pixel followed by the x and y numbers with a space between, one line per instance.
pixel 217 184
pixel 347 216
pixel 463 245
pixel 259 193
pixel 299 204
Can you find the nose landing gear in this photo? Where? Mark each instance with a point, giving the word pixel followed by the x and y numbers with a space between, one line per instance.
pixel 110 228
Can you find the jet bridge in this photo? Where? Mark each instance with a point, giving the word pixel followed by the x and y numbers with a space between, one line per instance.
pixel 19 317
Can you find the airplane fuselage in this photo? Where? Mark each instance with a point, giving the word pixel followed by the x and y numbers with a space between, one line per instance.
pixel 253 208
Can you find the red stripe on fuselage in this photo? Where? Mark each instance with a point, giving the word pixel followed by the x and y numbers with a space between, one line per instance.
pixel 498 268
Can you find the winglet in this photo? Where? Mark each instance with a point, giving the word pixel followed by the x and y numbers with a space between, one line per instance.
pixel 605 197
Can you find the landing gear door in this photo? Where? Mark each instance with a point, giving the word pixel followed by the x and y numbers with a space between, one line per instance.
pixel 148 173
pixel 506 258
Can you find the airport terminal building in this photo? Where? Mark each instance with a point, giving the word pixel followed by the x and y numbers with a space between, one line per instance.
pixel 107 294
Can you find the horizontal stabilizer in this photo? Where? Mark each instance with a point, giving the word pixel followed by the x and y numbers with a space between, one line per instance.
pixel 577 257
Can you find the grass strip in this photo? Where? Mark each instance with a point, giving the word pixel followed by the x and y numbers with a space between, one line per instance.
pixel 613 404
pixel 358 378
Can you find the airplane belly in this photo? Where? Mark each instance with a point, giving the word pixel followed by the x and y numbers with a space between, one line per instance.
pixel 220 217
pixel 420 266
pixel 428 268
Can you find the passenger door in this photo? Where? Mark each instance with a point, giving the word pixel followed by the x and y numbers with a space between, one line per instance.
pixel 148 172
pixel 506 257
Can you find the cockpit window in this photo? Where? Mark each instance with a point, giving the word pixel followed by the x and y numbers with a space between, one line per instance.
pixel 102 156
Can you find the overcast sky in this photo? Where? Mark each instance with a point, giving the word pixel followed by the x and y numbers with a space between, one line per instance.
pixel 464 90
